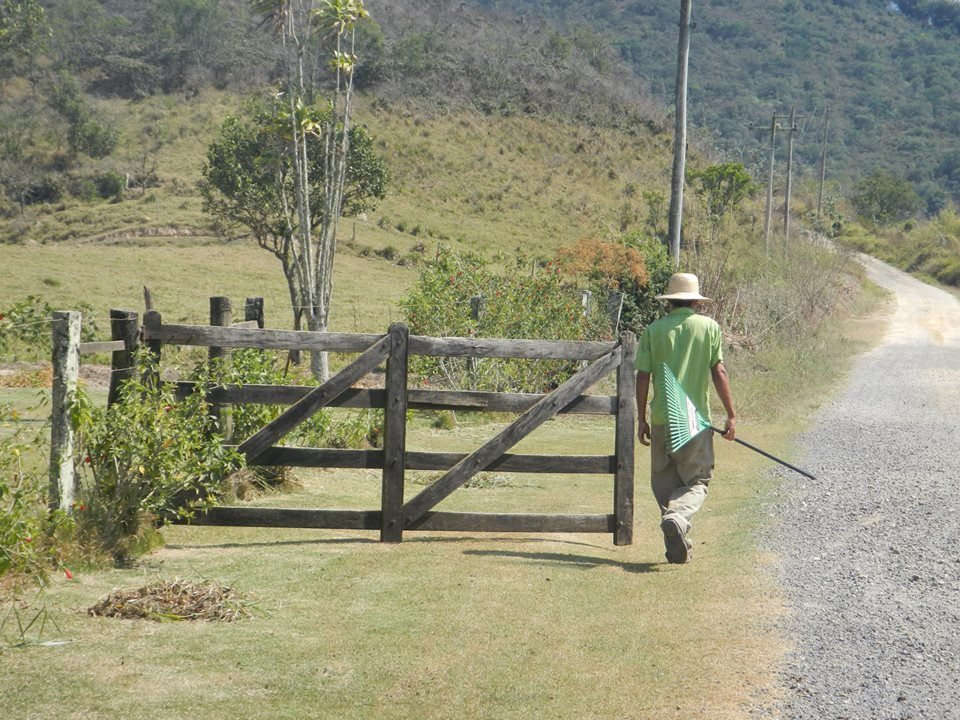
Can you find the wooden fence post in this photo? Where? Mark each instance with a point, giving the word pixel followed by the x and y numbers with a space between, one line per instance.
pixel 124 325
pixel 394 436
pixel 626 433
pixel 221 315
pixel 153 321
pixel 66 369
pixel 253 310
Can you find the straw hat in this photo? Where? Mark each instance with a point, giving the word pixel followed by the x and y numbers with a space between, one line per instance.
pixel 683 286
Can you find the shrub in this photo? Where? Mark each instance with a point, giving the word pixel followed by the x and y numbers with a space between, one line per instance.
pixel 145 459
pixel 460 296
pixel 25 522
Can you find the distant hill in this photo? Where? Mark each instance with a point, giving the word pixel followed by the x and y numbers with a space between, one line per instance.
pixel 888 71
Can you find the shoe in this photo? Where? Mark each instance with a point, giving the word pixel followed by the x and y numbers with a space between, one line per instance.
pixel 678 547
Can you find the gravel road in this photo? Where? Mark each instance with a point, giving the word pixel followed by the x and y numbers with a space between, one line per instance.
pixel 870 551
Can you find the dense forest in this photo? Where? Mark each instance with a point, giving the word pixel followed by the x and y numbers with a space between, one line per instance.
pixel 889 73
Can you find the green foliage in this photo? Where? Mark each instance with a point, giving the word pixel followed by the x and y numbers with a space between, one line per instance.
pixel 248 174
pixel 23 28
pixel 85 134
pixel 25 522
pixel 326 428
pixel 460 295
pixel 25 327
pixel 144 459
pixel 723 188
pixel 640 305
pixel 884 198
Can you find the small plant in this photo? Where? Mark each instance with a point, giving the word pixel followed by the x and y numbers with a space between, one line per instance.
pixel 143 460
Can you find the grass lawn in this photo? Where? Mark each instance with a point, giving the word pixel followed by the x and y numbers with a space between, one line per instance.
pixel 466 625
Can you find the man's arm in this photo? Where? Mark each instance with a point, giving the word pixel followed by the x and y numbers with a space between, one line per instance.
pixel 722 383
pixel 643 388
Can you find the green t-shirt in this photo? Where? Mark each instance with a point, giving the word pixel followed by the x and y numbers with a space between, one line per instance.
pixel 690 345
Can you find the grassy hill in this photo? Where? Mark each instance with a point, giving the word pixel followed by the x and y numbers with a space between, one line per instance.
pixel 890 79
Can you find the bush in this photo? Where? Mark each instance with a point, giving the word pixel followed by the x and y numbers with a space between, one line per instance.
pixel 460 296
pixel 145 459
pixel 25 523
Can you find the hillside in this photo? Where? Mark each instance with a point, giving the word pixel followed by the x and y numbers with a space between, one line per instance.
pixel 557 113
pixel 889 74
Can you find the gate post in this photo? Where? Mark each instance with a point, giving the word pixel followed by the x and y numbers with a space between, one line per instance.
pixel 66 370
pixel 394 436
pixel 221 315
pixel 124 325
pixel 626 433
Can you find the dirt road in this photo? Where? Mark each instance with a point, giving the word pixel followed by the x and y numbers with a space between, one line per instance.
pixel 870 551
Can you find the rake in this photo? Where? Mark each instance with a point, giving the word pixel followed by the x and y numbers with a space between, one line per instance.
pixel 685 421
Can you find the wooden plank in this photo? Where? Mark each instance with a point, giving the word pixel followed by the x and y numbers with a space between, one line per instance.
pixel 245 324
pixel 256 338
pixel 415 460
pixel 510 436
pixel 394 437
pixel 506 348
pixel 319 457
pixel 316 399
pixel 289 518
pixel 623 490
pixel 416 399
pixel 507 462
pixel 89 348
pixel 513 522
pixel 370 520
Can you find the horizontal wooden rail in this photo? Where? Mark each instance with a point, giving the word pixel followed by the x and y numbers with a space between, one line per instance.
pixel 433 521
pixel 210 336
pixel 417 399
pixel 88 348
pixel 417 460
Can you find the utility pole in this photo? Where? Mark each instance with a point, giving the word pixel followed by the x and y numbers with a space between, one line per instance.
pixel 823 159
pixel 791 129
pixel 774 125
pixel 680 133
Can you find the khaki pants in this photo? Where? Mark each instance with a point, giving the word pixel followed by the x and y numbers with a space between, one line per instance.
pixel 679 481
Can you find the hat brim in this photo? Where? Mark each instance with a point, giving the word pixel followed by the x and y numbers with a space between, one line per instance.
pixel 683 296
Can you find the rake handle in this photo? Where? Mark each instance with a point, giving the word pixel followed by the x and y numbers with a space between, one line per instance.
pixel 766 454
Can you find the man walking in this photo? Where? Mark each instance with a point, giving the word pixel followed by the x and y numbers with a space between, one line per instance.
pixel 690 345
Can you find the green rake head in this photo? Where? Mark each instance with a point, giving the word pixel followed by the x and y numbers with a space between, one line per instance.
pixel 683 419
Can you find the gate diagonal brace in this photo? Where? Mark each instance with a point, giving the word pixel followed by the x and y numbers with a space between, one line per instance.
pixel 254 446
pixel 525 424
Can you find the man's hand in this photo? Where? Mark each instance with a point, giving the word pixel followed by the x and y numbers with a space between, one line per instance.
pixel 643 432
pixel 729 429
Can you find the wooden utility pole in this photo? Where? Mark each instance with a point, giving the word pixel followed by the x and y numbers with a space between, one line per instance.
pixel 766 223
pixel 680 133
pixel 823 160
pixel 791 129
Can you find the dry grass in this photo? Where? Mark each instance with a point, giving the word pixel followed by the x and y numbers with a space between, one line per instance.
pixel 176 599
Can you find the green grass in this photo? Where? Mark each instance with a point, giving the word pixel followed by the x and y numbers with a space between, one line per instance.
pixel 487 626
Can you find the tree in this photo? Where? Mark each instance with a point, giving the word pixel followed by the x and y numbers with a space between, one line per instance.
pixel 723 188
pixel 23 29
pixel 301 26
pixel 250 180
pixel 885 198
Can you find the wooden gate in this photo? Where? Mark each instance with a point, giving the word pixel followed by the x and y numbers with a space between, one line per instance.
pixel 394 516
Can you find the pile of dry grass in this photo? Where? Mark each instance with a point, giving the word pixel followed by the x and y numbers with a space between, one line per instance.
pixel 175 599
